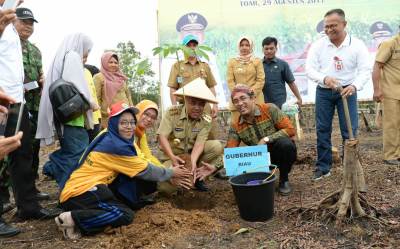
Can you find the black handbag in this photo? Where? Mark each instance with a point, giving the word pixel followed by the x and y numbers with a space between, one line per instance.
pixel 67 102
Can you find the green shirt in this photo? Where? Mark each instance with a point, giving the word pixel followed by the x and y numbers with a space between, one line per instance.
pixel 79 121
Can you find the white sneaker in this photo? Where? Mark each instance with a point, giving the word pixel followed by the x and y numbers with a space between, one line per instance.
pixel 66 225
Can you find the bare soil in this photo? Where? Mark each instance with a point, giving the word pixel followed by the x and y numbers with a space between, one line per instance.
pixel 209 220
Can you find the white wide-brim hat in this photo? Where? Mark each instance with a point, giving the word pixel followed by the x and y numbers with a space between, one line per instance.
pixel 197 88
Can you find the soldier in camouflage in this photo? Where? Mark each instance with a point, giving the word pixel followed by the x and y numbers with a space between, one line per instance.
pixel 32 59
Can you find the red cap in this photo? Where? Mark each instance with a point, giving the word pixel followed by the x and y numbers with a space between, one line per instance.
pixel 120 107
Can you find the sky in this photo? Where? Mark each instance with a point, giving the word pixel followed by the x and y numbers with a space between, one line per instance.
pixel 106 22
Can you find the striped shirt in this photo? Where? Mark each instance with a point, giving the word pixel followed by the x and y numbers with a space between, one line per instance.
pixel 269 122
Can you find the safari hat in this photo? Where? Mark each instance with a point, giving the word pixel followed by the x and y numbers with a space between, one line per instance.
pixel 197 88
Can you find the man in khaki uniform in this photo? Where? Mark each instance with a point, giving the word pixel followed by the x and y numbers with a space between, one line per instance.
pixel 183 72
pixel 386 79
pixel 188 126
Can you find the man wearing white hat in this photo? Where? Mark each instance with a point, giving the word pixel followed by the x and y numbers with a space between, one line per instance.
pixel 188 126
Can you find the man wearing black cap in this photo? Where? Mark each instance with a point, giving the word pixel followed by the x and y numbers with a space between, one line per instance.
pixel 33 72
pixel 380 32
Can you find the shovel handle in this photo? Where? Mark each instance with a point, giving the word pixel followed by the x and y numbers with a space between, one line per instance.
pixel 346 114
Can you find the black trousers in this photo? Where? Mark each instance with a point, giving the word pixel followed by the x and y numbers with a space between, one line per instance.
pixel 35 142
pixel 283 154
pixel 20 168
pixel 95 210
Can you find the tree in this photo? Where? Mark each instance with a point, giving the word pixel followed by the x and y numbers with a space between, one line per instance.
pixel 139 73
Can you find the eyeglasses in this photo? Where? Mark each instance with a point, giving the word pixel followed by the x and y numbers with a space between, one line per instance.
pixel 148 115
pixel 240 99
pixel 332 26
pixel 126 124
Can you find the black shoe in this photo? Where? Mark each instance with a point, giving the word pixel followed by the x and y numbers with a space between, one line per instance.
pixel 284 188
pixel 7 230
pixel 41 196
pixel 7 207
pixel 42 214
pixel 147 199
pixel 200 186
pixel 392 162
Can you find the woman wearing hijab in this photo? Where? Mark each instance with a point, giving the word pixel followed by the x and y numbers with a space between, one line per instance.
pixel 90 202
pixel 111 86
pixel 148 112
pixel 246 69
pixel 68 65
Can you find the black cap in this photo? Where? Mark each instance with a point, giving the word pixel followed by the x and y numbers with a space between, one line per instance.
pixel 24 13
pixel 191 21
pixel 380 29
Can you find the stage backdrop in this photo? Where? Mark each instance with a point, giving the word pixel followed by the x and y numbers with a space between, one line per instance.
pixel 220 23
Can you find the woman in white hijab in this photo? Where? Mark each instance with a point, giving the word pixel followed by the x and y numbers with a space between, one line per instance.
pixel 68 62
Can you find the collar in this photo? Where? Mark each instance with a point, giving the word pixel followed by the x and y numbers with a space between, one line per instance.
pixel 186 61
pixel 346 42
pixel 265 60
pixel 183 113
pixel 257 113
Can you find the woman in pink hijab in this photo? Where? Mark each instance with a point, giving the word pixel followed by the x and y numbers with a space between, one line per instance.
pixel 111 85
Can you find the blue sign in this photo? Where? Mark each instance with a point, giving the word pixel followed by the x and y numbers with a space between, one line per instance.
pixel 247 159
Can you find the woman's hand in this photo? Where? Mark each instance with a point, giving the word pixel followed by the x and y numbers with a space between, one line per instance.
pixel 204 171
pixel 181 177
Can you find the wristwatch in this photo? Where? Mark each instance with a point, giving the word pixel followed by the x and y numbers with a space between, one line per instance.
pixel 266 140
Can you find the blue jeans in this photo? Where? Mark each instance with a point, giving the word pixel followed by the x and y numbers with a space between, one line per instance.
pixel 325 102
pixel 64 161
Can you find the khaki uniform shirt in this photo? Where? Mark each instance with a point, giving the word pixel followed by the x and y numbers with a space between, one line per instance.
pixel 184 72
pixel 122 95
pixel 173 125
pixel 250 74
pixel 389 54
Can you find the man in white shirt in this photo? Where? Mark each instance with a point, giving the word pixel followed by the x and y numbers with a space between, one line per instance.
pixel 338 59
pixel 11 82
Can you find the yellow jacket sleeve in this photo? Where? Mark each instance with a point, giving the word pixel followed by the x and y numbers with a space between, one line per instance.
pixel 144 147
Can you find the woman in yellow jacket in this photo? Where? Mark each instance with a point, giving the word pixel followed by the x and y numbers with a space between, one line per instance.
pixel 148 112
pixel 246 69
pixel 111 85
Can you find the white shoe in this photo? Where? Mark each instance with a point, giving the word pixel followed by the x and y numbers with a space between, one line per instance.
pixel 66 225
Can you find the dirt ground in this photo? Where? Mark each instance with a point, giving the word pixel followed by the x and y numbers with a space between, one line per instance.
pixel 210 220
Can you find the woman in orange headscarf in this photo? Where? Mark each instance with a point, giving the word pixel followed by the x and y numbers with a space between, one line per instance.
pixel 148 112
pixel 111 85
pixel 246 69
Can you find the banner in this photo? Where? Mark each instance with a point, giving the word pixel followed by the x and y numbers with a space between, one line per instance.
pixel 246 159
pixel 295 23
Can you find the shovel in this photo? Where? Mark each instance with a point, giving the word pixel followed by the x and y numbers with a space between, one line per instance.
pixel 351 149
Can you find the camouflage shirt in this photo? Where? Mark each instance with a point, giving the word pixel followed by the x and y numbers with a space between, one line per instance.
pixel 32 59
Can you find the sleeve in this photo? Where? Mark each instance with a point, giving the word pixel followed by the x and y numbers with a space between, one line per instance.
pixel 127 165
pixel 230 77
pixel 165 128
pixel 172 81
pixel 363 67
pixel 384 52
pixel 128 94
pixel 281 122
pixel 144 147
pixel 312 65
pixel 210 77
pixel 260 77
pixel 233 138
pixel 203 134
pixel 287 74
pixel 156 174
pixel 98 84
